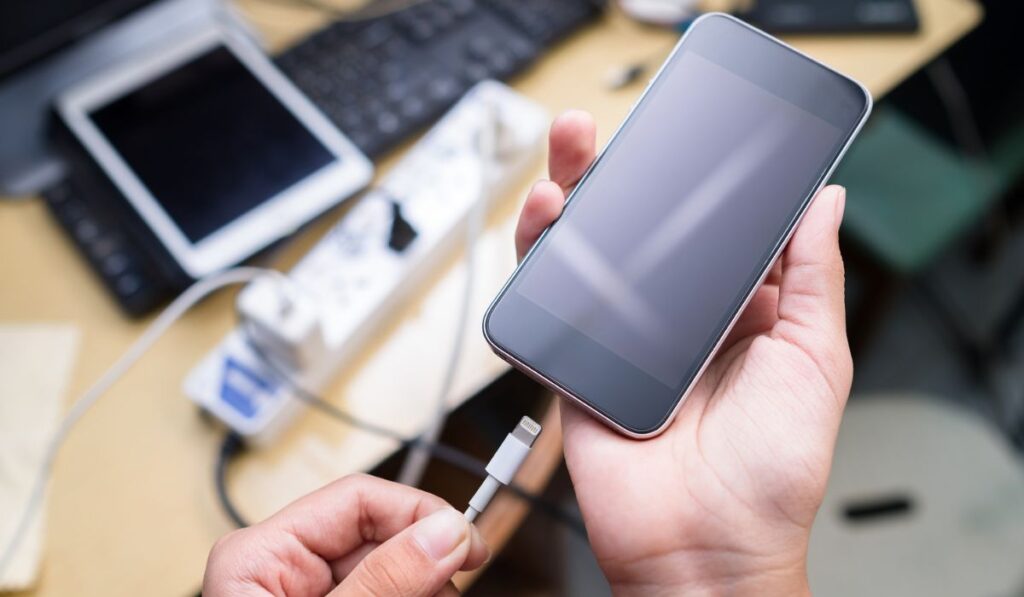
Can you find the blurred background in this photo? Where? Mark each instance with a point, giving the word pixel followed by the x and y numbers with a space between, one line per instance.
pixel 927 493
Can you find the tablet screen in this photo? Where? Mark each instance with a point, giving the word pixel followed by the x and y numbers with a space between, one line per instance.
pixel 210 142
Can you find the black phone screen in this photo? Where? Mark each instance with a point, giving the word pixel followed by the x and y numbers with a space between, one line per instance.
pixel 671 228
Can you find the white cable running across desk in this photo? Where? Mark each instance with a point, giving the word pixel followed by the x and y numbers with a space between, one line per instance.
pixel 154 332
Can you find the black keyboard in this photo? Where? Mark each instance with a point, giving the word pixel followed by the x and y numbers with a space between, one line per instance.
pixel 124 269
pixel 382 80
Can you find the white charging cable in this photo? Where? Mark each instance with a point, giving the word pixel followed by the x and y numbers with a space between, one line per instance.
pixel 504 464
pixel 154 332
pixel 416 462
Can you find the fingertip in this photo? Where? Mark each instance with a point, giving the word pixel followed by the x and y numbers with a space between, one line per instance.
pixel 572 145
pixel 835 196
pixel 840 205
pixel 445 535
pixel 820 225
pixel 545 201
pixel 573 123
pixel 833 190
pixel 543 206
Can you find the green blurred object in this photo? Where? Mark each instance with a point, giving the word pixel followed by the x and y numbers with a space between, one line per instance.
pixel 910 195
pixel 1008 153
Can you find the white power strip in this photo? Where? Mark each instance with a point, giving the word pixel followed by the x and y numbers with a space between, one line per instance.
pixel 368 263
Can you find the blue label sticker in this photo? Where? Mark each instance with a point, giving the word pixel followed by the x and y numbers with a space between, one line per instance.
pixel 242 388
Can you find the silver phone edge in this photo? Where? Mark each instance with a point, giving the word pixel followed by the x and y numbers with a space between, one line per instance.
pixel 565 392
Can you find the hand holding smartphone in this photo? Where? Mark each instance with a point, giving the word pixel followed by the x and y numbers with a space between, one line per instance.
pixel 625 300
pixel 722 501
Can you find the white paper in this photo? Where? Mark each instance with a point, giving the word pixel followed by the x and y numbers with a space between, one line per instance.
pixel 35 365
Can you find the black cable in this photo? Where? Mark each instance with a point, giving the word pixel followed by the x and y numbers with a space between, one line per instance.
pixel 233 443
pixel 452 456
pixel 229 448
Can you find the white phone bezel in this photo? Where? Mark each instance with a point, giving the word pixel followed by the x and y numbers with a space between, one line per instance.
pixel 279 215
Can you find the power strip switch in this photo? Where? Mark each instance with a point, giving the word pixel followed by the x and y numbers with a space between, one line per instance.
pixel 382 250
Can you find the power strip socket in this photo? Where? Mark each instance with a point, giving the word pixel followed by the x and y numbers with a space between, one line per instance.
pixel 381 251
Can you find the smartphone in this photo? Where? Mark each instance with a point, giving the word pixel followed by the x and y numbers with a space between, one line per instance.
pixel 623 301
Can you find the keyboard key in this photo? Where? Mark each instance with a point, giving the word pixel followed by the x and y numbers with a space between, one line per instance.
pixel 58 194
pixel 387 123
pixel 523 50
pixel 376 35
pixel 103 247
pixel 412 108
pixel 361 138
pixel 128 284
pixel 444 89
pixel 86 230
pixel 501 63
pixel 475 72
pixel 461 8
pixel 421 31
pixel 350 119
pixel 115 265
pixel 396 91
pixel 71 212
pixel 372 107
pixel 479 46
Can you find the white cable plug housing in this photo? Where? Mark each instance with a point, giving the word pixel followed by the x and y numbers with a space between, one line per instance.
pixel 285 321
pixel 504 464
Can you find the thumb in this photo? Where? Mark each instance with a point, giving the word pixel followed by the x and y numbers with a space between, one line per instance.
pixel 419 561
pixel 812 312
pixel 812 285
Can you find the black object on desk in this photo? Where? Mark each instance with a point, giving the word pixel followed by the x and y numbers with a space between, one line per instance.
pixel 382 80
pixel 137 274
pixel 833 16
pixel 123 270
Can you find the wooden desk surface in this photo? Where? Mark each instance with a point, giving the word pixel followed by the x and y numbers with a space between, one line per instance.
pixel 132 509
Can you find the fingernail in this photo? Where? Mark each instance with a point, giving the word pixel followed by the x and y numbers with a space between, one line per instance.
pixel 840 205
pixel 440 533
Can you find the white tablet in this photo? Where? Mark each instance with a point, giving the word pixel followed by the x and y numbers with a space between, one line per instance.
pixel 214 148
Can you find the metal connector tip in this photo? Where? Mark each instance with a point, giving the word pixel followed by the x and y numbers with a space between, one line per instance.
pixel 527 431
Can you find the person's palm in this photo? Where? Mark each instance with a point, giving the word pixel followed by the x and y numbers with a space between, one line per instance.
pixel 725 497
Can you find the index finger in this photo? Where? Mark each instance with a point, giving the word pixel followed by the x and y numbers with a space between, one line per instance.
pixel 358 509
pixel 571 148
